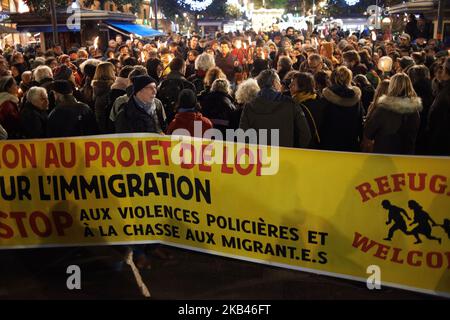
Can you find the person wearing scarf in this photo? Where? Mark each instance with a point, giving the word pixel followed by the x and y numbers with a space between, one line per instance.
pixel 302 91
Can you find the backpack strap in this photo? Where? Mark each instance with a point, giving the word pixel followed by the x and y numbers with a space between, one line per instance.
pixel 306 110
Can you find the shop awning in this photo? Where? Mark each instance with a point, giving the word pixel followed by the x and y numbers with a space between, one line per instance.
pixel 138 29
pixel 44 28
pixel 5 29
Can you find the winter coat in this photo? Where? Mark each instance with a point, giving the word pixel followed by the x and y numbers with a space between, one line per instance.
pixel 313 109
pixel 394 125
pixel 185 120
pixel 71 118
pixel 33 122
pixel 119 105
pixel 367 93
pixel 438 128
pixel 271 110
pixel 9 114
pixel 342 118
pixel 198 80
pixel 425 92
pixel 87 93
pixel 219 108
pixel 135 119
pixel 101 91
pixel 169 89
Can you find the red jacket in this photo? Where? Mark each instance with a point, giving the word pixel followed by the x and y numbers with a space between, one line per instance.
pixel 9 114
pixel 185 120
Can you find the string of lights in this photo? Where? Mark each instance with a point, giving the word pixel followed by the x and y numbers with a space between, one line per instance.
pixel 195 5
pixel 351 2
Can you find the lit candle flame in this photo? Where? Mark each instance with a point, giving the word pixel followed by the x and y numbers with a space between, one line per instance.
pixel 96 43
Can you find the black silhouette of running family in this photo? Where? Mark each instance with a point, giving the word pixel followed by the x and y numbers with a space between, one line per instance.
pixel 421 220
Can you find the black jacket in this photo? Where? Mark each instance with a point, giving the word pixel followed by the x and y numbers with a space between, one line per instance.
pixel 313 109
pixel 134 119
pixel 71 118
pixel 168 92
pixel 219 108
pixel 343 119
pixel 272 110
pixel 394 124
pixel 33 122
pixel 198 80
pixel 101 95
pixel 438 128
pixel 425 92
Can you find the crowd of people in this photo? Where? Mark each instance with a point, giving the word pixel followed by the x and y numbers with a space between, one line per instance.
pixel 331 92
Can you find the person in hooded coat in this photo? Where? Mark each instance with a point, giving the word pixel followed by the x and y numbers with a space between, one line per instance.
pixel 273 110
pixel 395 122
pixel 342 122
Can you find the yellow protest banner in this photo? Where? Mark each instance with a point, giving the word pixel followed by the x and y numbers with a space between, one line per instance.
pixel 355 216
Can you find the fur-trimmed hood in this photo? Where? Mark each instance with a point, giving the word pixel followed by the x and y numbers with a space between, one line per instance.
pixel 120 83
pixel 342 96
pixel 402 105
pixel 5 96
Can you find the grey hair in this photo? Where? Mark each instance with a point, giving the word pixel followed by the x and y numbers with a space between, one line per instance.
pixel 285 63
pixel 34 92
pixel 342 44
pixel 204 62
pixel 42 72
pixel 247 91
pixel 221 85
pixel 267 78
pixel 94 62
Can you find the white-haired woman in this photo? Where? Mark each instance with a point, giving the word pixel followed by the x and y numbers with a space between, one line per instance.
pixel 43 77
pixel 203 63
pixel 246 92
pixel 395 122
pixel 218 105
pixel 33 116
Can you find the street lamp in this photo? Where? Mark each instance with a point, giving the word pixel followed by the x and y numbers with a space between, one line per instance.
pixel 385 65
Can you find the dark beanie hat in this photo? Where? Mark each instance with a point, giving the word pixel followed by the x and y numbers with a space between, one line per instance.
pixel 406 62
pixel 62 87
pixel 187 99
pixel 62 72
pixel 140 82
